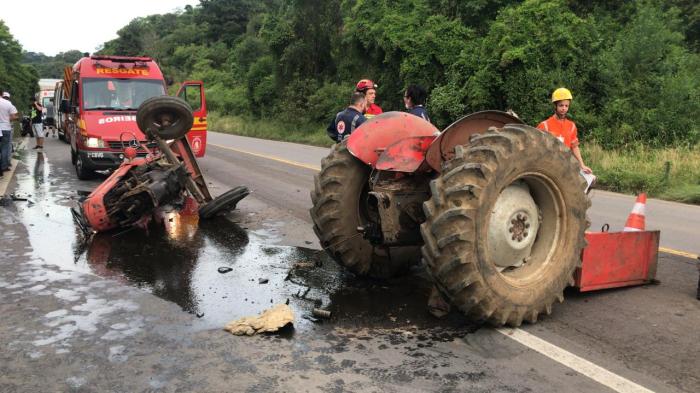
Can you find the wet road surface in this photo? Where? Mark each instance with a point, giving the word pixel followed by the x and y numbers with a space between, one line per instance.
pixel 62 311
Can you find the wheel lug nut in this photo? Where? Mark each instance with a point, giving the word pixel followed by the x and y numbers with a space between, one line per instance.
pixel 525 234
pixel 513 238
pixel 513 221
pixel 520 216
pixel 527 225
pixel 510 229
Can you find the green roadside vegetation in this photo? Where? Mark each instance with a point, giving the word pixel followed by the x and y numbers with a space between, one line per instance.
pixel 666 173
pixel 281 69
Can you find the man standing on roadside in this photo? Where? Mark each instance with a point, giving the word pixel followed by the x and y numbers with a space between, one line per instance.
pixel 565 130
pixel 37 124
pixel 369 89
pixel 347 121
pixel 8 114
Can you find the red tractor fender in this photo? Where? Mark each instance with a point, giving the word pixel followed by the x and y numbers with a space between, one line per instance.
pixel 375 137
pixel 405 155
pixel 459 132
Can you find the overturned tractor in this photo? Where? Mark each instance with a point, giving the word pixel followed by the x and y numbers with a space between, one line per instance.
pixel 495 208
pixel 150 179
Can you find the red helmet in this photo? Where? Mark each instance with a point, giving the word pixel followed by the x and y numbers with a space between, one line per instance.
pixel 365 84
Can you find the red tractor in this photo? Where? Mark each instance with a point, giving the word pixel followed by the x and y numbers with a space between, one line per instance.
pixel 168 176
pixel 495 208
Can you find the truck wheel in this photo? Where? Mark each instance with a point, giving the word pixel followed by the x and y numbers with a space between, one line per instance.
pixel 168 117
pixel 505 225
pixel 80 170
pixel 339 208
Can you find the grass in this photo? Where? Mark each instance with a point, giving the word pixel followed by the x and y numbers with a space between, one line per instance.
pixel 623 170
pixel 669 173
pixel 309 134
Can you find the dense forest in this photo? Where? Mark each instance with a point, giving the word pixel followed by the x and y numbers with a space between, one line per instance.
pixel 631 65
pixel 15 77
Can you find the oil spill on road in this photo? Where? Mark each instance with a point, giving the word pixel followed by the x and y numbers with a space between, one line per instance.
pixel 179 260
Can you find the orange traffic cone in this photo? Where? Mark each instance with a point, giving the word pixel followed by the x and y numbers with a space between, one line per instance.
pixel 635 221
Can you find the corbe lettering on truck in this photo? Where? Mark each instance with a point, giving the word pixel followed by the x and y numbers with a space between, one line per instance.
pixel 100 96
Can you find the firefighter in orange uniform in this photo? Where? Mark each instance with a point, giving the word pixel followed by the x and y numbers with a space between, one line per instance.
pixel 565 129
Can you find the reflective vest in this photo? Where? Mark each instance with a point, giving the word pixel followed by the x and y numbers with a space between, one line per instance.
pixel 563 129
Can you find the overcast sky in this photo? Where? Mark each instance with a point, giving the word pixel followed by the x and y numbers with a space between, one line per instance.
pixel 53 26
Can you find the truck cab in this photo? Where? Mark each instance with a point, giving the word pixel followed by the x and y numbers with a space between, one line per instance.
pixel 102 96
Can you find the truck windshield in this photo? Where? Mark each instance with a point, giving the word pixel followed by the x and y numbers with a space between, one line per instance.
pixel 119 94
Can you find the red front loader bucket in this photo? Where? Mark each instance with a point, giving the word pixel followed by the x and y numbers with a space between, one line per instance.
pixel 618 259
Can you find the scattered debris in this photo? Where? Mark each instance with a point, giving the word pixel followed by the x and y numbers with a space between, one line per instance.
pixel 303 265
pixel 269 321
pixel 311 318
pixel 200 314
pixel 224 269
pixel 18 198
pixel 263 280
pixel 321 313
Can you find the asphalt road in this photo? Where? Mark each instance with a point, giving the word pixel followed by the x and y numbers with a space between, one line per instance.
pixel 679 223
pixel 140 311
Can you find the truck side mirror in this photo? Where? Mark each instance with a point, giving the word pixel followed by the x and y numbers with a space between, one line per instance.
pixel 65 106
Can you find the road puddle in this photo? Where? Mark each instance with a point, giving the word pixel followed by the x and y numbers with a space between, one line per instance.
pixel 214 269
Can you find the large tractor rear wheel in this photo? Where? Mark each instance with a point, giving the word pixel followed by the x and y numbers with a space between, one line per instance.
pixel 505 225
pixel 339 207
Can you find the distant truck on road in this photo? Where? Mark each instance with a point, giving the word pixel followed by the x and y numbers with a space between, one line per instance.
pixel 101 96
pixel 45 96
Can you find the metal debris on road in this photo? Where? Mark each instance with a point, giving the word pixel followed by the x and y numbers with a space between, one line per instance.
pixel 224 269
pixel 269 321
pixel 263 280
pixel 321 313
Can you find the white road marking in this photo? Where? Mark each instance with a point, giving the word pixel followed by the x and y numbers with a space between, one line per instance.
pixel 576 363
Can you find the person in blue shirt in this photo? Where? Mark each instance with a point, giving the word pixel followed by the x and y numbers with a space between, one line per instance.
pixel 345 122
pixel 414 99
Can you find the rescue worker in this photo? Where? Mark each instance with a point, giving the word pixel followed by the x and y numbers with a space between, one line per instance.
pixel 37 123
pixel 369 89
pixel 346 121
pixel 414 100
pixel 565 130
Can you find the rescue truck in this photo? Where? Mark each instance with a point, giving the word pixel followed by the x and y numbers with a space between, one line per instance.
pixel 45 96
pixel 102 96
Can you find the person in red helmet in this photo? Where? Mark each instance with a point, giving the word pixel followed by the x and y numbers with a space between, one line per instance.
pixel 369 89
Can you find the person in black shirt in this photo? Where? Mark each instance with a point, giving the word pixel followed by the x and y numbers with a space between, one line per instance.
pixel 37 124
pixel 347 121
pixel 414 100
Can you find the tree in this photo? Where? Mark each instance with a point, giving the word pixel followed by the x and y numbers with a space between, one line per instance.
pixel 19 79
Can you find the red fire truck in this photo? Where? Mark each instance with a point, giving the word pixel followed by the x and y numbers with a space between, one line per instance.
pixel 102 94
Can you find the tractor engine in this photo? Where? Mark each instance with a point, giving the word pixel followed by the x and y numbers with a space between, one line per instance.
pixel 142 189
pixel 395 208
